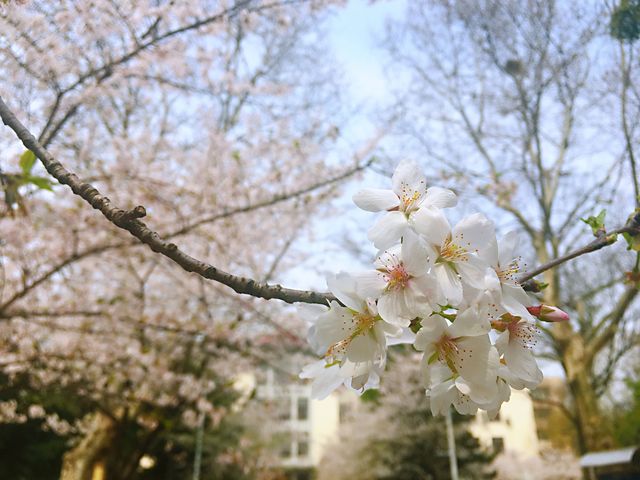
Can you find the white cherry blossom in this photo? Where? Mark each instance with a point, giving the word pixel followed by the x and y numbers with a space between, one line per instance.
pixel 401 282
pixel 503 274
pixel 465 348
pixel 515 343
pixel 409 193
pixel 455 250
pixel 352 337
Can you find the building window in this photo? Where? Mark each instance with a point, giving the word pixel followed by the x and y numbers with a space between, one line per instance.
pixel 498 444
pixel 283 408
pixel 303 444
pixel 344 411
pixel 303 408
pixel 285 442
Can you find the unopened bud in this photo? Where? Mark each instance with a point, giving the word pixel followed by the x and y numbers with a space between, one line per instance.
pixel 547 313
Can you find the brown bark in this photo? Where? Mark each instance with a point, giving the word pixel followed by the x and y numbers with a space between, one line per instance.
pixel 85 460
pixel 591 430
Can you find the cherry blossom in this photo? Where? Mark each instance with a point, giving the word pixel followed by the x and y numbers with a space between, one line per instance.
pixel 409 194
pixel 455 250
pixel 457 287
pixel 401 282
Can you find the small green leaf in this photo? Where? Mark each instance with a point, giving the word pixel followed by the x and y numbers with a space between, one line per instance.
pixel 633 242
pixel 596 223
pixel 27 161
pixel 42 183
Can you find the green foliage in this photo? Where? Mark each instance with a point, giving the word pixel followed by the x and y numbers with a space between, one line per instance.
pixel 596 223
pixel 27 450
pixel 625 21
pixel 626 422
pixel 27 161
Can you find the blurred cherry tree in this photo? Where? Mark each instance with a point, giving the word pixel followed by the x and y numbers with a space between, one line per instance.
pixel 216 116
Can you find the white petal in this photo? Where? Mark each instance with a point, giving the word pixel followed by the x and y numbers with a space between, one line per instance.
pixel 440 198
pixel 431 331
pixel 469 324
pixel 343 286
pixel 441 397
pixel 475 272
pixel 388 230
pixel 408 175
pixel 362 348
pixel 477 360
pixel 414 254
pixel 370 284
pixel 522 363
pixel 450 284
pixel 375 199
pixel 508 246
pixel 428 286
pixel 325 380
pixel 406 336
pixel 432 225
pixel 392 309
pixel 474 232
pixel 490 253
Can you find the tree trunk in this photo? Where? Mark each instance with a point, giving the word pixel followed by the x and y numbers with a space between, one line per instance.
pixel 85 460
pixel 591 431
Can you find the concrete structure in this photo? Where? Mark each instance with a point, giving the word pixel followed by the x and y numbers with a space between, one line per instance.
pixel 513 430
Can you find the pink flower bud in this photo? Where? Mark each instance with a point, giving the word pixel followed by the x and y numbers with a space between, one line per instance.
pixel 548 314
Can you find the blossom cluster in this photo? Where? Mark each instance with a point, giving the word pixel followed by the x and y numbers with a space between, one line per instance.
pixel 452 292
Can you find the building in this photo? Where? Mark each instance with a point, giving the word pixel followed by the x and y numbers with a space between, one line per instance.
pixel 304 427
pixel 513 430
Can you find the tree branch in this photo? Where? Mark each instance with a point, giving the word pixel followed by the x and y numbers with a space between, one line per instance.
pixel 129 220
pixel 603 240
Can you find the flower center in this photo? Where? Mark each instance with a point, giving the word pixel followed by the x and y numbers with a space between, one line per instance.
pixel 525 333
pixel 364 322
pixel 447 350
pixel 397 277
pixel 450 252
pixel 410 199
pixel 508 273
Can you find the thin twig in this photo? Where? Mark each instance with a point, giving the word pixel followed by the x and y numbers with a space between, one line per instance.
pixel 604 239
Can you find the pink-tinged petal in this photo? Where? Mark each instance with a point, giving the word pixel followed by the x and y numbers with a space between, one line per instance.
pixel 432 225
pixel 450 284
pixel 388 230
pixel 408 176
pixel 474 232
pixel 437 197
pixel 376 199
pixel 392 308
pixel 469 324
pixel 370 284
pixel 414 254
